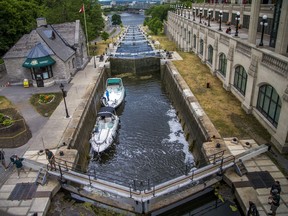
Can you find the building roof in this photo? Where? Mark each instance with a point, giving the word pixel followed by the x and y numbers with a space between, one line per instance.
pixel 57 40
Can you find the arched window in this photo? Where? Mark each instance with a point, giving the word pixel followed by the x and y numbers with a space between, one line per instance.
pixel 194 45
pixel 201 47
pixel 189 37
pixel 240 79
pixel 269 103
pixel 222 64
pixel 210 54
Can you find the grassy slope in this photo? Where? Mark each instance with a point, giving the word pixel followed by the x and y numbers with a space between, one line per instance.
pixel 221 106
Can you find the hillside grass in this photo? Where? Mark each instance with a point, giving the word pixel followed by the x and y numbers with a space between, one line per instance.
pixel 222 107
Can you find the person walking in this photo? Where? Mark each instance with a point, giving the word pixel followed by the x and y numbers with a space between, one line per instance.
pixel 18 163
pixel 2 159
pixel 51 158
pixel 274 201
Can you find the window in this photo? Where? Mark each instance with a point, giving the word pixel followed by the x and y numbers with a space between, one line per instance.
pixel 41 73
pixel 240 79
pixel 269 103
pixel 222 64
pixel 201 47
pixel 210 54
pixel 189 37
pixel 194 38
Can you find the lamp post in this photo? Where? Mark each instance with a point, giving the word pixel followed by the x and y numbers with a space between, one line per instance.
pixel 94 58
pixel 185 11
pixel 200 14
pixel 64 93
pixel 263 23
pixel 209 17
pixel 220 17
pixel 237 23
pixel 194 11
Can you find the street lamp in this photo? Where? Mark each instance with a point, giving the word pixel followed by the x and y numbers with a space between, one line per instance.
pixel 220 17
pixel 64 93
pixel 209 16
pixel 200 14
pixel 194 11
pixel 94 58
pixel 237 23
pixel 185 11
pixel 263 23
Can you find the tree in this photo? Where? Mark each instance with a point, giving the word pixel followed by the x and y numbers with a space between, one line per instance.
pixel 60 11
pixel 155 17
pixel 116 19
pixel 17 18
pixel 104 35
pixel 155 25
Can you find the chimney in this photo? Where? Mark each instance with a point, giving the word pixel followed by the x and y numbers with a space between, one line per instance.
pixel 41 21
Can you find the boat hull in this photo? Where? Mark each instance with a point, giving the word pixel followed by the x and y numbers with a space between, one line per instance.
pixel 114 94
pixel 104 132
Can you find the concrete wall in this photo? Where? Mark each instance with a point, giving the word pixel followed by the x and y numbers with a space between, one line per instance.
pixel 2 70
pixel 196 125
pixel 80 138
pixel 137 65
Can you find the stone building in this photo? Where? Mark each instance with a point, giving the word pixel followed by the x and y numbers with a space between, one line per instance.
pixel 48 55
pixel 256 74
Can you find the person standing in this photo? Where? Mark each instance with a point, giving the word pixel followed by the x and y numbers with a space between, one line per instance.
pixel 2 159
pixel 274 201
pixel 276 185
pixel 51 158
pixel 18 163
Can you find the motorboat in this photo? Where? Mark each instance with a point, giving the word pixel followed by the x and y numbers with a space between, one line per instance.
pixel 114 93
pixel 105 129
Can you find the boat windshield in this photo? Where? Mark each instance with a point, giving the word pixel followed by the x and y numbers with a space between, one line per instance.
pixel 114 82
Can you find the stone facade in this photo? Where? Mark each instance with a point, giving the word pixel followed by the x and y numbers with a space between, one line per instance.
pixel 68 47
pixel 260 66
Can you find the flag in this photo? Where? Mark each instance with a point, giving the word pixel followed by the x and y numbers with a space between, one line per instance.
pixel 82 9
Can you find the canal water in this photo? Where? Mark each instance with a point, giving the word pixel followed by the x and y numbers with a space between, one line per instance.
pixel 150 145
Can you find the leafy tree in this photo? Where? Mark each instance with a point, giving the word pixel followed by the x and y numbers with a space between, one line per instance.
pixel 159 11
pixel 60 11
pixel 17 18
pixel 155 25
pixel 104 35
pixel 155 17
pixel 116 19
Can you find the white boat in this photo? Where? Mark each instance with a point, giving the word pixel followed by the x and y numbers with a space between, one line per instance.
pixel 114 93
pixel 105 129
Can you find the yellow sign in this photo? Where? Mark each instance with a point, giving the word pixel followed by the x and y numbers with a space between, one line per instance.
pixel 26 83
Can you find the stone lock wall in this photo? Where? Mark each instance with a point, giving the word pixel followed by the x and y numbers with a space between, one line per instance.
pixel 137 65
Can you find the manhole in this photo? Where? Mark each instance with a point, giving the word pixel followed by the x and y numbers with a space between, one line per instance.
pixel 23 191
pixel 261 179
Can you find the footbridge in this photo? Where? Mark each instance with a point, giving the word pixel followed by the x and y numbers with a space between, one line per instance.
pixel 144 197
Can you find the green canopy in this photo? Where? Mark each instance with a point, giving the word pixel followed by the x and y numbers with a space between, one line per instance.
pixel 38 62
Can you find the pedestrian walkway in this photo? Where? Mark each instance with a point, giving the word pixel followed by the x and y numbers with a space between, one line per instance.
pixel 49 135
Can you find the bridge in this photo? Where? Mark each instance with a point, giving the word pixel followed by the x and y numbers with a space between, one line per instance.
pixel 144 197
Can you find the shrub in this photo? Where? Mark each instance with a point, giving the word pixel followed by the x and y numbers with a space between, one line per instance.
pixel 1 117
pixel 7 122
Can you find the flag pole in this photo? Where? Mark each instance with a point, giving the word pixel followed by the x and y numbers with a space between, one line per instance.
pixel 86 29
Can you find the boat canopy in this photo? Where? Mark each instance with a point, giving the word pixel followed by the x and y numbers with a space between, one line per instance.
pixel 106 111
pixel 114 81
